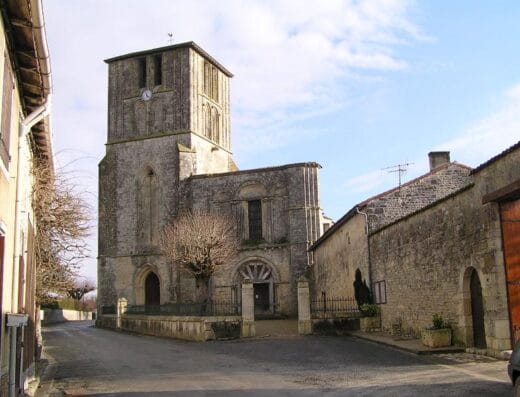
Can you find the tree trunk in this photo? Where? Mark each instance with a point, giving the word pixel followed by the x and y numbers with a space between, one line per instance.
pixel 202 284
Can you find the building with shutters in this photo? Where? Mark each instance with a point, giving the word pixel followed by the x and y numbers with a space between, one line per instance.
pixel 24 135
pixel 169 150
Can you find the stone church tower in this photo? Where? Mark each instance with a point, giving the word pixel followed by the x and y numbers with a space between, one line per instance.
pixel 169 149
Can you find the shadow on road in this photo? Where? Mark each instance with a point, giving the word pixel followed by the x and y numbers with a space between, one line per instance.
pixel 465 389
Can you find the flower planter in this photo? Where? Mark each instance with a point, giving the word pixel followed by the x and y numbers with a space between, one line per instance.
pixel 370 324
pixel 436 337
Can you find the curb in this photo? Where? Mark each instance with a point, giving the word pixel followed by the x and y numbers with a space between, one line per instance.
pixel 419 352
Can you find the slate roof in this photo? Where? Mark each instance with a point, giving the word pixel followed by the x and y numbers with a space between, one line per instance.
pixel 399 202
pixel 497 157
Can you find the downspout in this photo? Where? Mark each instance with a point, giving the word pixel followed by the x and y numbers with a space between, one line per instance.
pixel 368 247
pixel 25 128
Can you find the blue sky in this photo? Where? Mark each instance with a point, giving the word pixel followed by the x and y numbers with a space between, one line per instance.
pixel 357 86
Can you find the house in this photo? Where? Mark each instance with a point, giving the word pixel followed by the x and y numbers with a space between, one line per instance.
pixel 344 248
pixel 24 135
pixel 456 256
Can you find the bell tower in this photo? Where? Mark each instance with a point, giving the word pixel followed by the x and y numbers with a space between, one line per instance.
pixel 168 119
pixel 174 90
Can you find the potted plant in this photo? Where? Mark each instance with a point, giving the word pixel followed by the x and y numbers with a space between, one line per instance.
pixel 438 335
pixel 370 320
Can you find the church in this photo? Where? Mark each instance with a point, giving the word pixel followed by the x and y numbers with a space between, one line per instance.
pixel 168 150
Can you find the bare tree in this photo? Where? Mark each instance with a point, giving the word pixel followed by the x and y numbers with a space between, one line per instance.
pixel 200 243
pixel 80 288
pixel 62 226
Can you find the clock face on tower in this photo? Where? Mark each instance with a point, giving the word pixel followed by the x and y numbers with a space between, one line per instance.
pixel 146 95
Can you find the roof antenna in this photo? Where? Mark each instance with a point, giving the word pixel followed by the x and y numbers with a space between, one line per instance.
pixel 400 169
pixel 170 40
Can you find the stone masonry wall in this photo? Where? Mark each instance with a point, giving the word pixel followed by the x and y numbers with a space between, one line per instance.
pixel 337 258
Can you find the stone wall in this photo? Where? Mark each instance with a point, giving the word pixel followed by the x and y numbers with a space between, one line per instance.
pixel 425 261
pixel 337 258
pixel 199 329
pixel 53 316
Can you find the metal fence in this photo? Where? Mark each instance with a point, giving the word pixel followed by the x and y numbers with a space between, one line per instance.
pixel 211 308
pixel 108 309
pixel 335 306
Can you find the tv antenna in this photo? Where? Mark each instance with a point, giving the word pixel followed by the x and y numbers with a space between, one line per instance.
pixel 399 168
pixel 170 39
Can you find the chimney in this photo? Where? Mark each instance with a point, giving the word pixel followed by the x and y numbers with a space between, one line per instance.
pixel 438 158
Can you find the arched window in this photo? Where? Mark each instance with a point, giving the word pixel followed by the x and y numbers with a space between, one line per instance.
pixel 147 208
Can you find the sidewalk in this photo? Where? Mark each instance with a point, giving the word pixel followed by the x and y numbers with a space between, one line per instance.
pixel 410 345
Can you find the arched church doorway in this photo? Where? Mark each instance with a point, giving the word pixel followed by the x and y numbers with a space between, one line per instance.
pixel 152 290
pixel 261 275
pixel 477 311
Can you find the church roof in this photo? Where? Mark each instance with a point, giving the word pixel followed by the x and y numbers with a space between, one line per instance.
pixel 188 44
pixel 254 170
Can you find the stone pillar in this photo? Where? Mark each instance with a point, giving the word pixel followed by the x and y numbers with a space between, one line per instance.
pixel 304 308
pixel 122 303
pixel 248 310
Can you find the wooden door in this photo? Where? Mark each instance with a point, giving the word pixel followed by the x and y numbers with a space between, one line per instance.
pixel 510 217
pixel 477 311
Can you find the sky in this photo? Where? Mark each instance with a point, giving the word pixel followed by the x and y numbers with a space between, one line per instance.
pixel 357 86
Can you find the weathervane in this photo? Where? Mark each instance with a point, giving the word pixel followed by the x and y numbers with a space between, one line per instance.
pixel 399 168
pixel 170 40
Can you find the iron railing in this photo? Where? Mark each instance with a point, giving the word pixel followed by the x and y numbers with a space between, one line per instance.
pixel 335 305
pixel 108 309
pixel 210 308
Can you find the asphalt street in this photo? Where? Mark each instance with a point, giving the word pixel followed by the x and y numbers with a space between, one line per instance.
pixel 87 361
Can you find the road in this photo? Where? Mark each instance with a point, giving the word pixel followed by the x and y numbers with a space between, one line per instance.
pixel 86 361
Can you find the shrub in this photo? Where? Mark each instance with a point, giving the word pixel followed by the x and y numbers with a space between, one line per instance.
pixel 438 322
pixel 368 310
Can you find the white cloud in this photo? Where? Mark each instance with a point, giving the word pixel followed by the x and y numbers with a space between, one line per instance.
pixel 483 139
pixel 366 182
pixel 290 59
pixel 489 135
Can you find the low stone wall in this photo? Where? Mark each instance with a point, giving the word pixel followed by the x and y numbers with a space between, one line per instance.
pixel 107 321
pixel 179 327
pixel 334 326
pixel 54 316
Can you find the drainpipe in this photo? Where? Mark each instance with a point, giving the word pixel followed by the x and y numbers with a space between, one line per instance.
pixel 25 127
pixel 42 53
pixel 368 247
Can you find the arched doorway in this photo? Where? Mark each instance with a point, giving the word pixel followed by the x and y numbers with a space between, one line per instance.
pixel 261 275
pixel 477 311
pixel 152 290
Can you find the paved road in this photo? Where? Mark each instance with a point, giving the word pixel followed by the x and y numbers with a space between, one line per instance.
pixel 85 361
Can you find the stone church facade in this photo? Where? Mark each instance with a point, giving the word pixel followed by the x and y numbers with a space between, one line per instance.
pixel 169 150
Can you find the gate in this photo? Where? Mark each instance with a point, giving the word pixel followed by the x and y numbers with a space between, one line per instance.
pixel 510 218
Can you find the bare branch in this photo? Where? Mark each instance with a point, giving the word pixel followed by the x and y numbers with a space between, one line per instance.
pixel 63 224
pixel 200 243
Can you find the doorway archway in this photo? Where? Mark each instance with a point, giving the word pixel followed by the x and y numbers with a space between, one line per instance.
pixel 261 275
pixel 152 290
pixel 477 311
